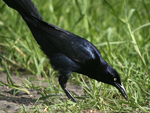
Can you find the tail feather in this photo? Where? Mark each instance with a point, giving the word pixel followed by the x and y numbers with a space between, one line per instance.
pixel 24 7
pixel 31 16
pixel 43 32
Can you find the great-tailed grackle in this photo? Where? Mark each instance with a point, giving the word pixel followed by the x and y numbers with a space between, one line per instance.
pixel 67 52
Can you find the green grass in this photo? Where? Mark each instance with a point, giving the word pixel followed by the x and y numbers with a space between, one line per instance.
pixel 118 28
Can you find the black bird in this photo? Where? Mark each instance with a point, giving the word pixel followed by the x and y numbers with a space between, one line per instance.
pixel 67 52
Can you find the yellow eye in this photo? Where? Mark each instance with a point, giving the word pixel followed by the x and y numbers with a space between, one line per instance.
pixel 115 79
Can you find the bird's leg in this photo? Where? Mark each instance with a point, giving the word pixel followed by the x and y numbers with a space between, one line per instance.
pixel 62 81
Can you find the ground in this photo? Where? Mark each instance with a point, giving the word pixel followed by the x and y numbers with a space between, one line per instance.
pixel 12 103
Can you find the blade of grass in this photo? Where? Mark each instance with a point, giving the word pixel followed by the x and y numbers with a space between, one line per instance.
pixel 136 47
pixel 8 74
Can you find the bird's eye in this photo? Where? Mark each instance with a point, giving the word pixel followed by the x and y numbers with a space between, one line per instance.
pixel 115 79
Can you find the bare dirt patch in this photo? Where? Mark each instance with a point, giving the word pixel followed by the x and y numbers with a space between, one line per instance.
pixel 12 103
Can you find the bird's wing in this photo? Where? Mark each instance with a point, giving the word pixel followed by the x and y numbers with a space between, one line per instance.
pixel 74 47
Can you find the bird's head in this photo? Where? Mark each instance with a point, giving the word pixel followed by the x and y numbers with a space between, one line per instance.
pixel 110 76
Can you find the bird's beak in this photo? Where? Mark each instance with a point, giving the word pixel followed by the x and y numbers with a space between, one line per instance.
pixel 122 90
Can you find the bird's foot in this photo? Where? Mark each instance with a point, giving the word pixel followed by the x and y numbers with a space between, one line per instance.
pixel 69 95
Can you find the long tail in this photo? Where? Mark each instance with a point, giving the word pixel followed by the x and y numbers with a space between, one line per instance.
pixel 34 20
pixel 24 7
pixel 28 11
pixel 31 16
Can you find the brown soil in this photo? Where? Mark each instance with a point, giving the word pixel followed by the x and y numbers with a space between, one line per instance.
pixel 12 103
